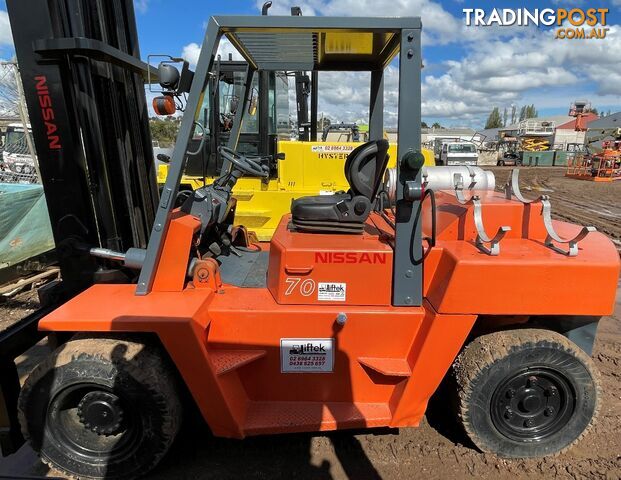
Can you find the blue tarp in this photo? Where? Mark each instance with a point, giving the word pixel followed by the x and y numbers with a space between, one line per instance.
pixel 25 229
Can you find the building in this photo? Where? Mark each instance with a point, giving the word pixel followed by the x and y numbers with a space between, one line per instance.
pixel 429 135
pixel 557 130
pixel 604 123
pixel 603 129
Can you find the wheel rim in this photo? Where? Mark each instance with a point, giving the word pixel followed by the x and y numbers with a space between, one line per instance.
pixel 94 423
pixel 532 404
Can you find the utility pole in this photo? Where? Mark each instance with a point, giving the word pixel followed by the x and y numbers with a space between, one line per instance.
pixel 21 107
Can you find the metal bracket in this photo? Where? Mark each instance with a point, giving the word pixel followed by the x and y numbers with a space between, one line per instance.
pixel 552 236
pixel 96 50
pixel 482 236
pixel 512 188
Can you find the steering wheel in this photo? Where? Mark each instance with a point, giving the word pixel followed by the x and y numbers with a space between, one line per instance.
pixel 243 163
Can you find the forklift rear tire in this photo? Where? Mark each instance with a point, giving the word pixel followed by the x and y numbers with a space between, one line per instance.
pixel 101 407
pixel 525 393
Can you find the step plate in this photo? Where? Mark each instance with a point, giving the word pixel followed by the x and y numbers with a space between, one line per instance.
pixel 286 417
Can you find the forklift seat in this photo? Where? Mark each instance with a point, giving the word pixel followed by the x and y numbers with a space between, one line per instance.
pixel 346 212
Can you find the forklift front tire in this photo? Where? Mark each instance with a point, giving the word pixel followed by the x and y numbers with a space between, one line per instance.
pixel 101 408
pixel 525 393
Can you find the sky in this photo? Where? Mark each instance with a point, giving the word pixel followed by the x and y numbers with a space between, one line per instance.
pixel 468 70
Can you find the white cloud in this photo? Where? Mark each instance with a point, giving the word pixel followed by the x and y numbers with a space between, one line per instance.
pixel 439 24
pixel 501 65
pixel 525 67
pixel 6 37
pixel 440 27
pixel 141 5
pixel 192 51
pixel 528 67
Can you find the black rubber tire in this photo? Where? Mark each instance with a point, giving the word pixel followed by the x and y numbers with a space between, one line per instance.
pixel 489 361
pixel 137 373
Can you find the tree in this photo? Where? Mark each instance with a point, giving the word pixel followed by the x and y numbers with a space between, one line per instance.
pixel 513 113
pixel 594 110
pixel 505 115
pixel 322 122
pixel 437 125
pixel 424 125
pixel 494 120
pixel 528 111
pixel 164 131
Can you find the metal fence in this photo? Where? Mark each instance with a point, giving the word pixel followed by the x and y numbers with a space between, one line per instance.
pixel 12 177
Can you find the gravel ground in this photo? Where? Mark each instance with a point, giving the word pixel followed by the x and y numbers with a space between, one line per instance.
pixel 436 450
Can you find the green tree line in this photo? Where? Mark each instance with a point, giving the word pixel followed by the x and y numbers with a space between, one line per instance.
pixel 164 131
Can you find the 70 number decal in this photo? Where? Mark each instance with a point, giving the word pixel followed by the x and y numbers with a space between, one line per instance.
pixel 306 287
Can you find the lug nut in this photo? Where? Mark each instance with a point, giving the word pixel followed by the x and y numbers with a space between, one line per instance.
pixel 529 423
pixel 548 411
pixel 551 392
pixel 508 413
pixel 510 393
pixel 531 382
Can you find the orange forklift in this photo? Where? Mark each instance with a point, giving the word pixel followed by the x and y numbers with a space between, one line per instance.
pixel 354 313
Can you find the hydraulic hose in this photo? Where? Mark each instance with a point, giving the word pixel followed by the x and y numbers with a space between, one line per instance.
pixel 432 196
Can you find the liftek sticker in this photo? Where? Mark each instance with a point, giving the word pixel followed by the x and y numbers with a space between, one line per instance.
pixel 332 292
pixel 307 355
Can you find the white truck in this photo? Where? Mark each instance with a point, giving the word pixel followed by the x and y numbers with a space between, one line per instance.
pixel 458 153
pixel 16 158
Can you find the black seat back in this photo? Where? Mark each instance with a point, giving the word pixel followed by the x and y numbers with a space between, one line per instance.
pixel 365 167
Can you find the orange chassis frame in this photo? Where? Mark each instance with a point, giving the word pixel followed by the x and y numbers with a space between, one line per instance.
pixel 388 361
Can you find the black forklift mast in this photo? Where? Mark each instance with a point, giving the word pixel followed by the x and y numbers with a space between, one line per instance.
pixel 84 86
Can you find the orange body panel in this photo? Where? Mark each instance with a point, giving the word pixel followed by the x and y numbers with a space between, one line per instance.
pixel 226 348
pixel 173 264
pixel 527 278
pixel 303 267
pixel 237 348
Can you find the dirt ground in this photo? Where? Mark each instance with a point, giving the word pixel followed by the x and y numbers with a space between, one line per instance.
pixel 436 450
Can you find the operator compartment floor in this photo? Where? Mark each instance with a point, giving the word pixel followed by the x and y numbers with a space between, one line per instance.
pixel 247 271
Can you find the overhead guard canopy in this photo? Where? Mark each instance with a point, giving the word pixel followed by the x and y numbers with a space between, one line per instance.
pixel 282 43
pixel 316 43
